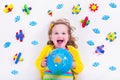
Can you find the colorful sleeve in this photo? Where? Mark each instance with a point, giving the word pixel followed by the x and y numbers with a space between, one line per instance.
pixel 77 60
pixel 45 51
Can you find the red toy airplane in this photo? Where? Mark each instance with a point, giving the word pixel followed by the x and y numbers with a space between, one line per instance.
pixel 85 22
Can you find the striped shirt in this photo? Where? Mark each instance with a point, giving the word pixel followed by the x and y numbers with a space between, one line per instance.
pixel 48 75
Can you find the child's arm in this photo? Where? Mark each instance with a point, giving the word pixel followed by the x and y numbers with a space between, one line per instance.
pixel 45 51
pixel 76 58
pixel 39 61
pixel 78 63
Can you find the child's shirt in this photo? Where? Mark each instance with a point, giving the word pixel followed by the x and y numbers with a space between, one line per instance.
pixel 47 49
pixel 50 76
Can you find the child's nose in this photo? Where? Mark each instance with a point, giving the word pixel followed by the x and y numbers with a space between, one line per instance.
pixel 60 35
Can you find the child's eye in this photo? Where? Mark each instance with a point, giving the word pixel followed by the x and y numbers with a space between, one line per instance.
pixel 63 33
pixel 56 33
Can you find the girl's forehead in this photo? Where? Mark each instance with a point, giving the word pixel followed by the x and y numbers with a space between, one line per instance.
pixel 60 27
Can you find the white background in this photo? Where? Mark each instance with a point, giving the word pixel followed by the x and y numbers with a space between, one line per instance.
pixel 26 69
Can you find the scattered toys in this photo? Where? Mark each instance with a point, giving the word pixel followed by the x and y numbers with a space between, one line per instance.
pixel 113 5
pixel 112 68
pixel 34 42
pixel 90 42
pixel 85 22
pixel 20 35
pixel 7 44
pixel 96 64
pixel 59 6
pixel 111 36
pixel 33 23
pixel 17 57
pixel 8 8
pixel 17 18
pixel 76 9
pixel 105 17
pixel 100 50
pixel 93 7
pixel 14 72
pixel 96 30
pixel 50 12
pixel 26 9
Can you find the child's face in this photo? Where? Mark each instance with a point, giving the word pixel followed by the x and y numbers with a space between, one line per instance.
pixel 60 35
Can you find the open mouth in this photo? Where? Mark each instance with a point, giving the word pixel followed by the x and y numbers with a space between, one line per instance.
pixel 59 41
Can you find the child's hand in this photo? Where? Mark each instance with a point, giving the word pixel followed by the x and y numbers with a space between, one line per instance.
pixel 73 65
pixel 44 62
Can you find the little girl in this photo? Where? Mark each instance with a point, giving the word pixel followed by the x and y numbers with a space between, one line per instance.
pixel 60 36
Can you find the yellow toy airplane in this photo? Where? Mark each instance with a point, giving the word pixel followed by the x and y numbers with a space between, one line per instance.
pixel 8 8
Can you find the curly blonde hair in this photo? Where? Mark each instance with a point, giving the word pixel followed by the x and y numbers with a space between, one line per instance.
pixel 66 22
